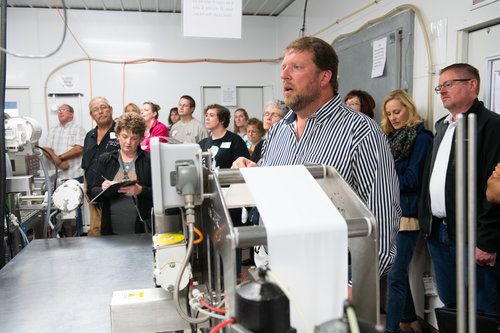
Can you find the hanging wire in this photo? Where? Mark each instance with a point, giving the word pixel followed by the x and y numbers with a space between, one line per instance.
pixel 34 56
pixel 303 30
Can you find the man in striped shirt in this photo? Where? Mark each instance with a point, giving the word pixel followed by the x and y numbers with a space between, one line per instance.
pixel 320 129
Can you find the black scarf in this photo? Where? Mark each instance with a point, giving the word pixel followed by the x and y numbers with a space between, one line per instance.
pixel 402 141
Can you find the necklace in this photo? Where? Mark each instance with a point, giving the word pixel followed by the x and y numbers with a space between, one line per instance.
pixel 127 166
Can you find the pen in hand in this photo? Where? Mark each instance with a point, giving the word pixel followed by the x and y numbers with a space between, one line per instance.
pixel 106 183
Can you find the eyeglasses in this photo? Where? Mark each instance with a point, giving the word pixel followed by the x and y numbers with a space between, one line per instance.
pixel 102 108
pixel 63 110
pixel 271 114
pixel 351 104
pixel 448 84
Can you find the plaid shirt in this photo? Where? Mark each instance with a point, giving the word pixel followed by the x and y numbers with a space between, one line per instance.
pixel 62 139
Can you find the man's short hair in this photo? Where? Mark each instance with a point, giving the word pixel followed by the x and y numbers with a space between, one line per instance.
pixel 192 103
pixel 466 70
pixel 223 114
pixel 324 56
pixel 96 98
pixel 69 107
pixel 131 121
pixel 278 104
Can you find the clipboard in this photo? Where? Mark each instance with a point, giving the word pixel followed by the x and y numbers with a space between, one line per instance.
pixel 112 190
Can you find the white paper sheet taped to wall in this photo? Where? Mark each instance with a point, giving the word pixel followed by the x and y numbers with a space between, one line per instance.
pixel 307 239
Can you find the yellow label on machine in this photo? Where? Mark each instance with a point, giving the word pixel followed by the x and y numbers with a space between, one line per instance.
pixel 170 238
pixel 140 294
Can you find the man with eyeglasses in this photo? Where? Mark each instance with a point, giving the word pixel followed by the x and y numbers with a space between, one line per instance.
pixel 459 88
pixel 98 140
pixel 188 129
pixel 274 111
pixel 64 148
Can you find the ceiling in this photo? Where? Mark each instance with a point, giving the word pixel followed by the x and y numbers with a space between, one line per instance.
pixel 250 7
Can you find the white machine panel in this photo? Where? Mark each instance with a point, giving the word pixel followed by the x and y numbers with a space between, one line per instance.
pixel 163 158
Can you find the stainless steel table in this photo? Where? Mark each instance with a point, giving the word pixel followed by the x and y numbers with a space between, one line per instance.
pixel 65 285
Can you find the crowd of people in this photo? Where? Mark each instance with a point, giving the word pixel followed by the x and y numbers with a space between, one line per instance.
pixel 404 173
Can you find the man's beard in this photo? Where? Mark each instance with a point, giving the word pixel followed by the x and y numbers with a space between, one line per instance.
pixel 300 102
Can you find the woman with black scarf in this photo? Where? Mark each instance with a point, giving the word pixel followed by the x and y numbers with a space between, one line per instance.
pixel 409 142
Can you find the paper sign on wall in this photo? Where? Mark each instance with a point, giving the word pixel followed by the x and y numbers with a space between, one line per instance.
pixel 379 57
pixel 68 81
pixel 212 18
pixel 495 105
pixel 228 95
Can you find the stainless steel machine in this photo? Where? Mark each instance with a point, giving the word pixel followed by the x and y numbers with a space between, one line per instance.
pixel 32 198
pixel 194 243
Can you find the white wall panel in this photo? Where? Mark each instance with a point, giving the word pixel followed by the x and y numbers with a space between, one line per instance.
pixel 459 15
pixel 129 36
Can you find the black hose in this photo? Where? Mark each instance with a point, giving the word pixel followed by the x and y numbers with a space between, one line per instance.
pixel 3 186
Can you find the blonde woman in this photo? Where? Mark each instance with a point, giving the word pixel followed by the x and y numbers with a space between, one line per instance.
pixel 409 142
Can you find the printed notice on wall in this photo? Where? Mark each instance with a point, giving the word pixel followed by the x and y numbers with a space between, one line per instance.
pixel 68 82
pixel 228 97
pixel 379 56
pixel 212 18
pixel 495 103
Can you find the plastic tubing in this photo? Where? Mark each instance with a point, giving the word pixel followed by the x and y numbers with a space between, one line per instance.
pixel 178 282
pixel 39 155
pixel 273 277
pixel 198 308
pixel 208 306
pixel 221 325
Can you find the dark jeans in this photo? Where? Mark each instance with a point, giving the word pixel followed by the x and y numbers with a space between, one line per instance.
pixel 443 255
pixel 400 306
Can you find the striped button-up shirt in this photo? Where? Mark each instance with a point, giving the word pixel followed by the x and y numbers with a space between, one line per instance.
pixel 62 139
pixel 357 148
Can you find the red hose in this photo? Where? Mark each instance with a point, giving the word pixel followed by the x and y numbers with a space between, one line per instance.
pixel 211 307
pixel 221 325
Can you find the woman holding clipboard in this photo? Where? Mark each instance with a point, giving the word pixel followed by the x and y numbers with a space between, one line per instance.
pixel 124 186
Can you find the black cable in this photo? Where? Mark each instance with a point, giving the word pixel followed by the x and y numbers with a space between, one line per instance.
pixel 3 185
pixel 30 56
pixel 303 30
pixel 53 161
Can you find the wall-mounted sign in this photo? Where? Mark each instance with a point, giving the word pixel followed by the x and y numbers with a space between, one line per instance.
pixel 212 18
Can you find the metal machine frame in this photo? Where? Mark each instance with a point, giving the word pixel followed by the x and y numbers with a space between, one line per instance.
pixel 218 229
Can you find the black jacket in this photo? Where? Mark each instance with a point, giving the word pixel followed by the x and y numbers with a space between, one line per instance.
pixel 488 155
pixel 107 166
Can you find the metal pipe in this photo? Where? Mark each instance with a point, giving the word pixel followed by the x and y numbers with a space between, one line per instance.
pixel 472 214
pixel 256 235
pixel 3 160
pixel 460 207
pixel 32 197
pixel 234 176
